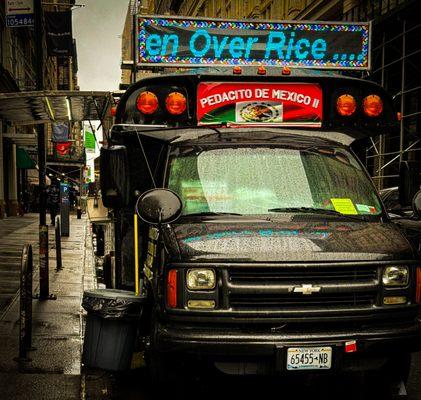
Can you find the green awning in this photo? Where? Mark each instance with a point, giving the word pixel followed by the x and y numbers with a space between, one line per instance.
pixel 23 161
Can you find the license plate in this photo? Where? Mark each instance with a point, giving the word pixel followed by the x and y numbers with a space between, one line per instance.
pixel 309 358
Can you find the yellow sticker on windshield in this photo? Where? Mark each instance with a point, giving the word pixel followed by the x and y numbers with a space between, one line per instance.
pixel 344 206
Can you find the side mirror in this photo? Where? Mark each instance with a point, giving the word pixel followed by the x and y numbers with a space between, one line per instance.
pixel 159 206
pixel 408 184
pixel 114 176
pixel 416 204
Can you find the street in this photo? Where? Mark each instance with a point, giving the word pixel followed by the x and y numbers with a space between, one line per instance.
pixel 136 386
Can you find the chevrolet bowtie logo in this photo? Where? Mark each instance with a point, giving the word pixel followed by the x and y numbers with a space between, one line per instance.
pixel 307 289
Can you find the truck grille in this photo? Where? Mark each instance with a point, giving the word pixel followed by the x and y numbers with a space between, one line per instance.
pixel 272 289
pixel 294 301
pixel 298 275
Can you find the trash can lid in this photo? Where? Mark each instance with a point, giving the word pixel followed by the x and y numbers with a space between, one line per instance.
pixel 113 294
pixel 113 303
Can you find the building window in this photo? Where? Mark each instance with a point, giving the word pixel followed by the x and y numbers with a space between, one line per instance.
pixel 267 11
pixel 228 9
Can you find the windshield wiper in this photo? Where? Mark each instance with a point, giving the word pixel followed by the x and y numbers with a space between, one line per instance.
pixel 209 213
pixel 315 210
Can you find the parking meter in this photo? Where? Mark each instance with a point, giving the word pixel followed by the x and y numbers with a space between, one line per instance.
pixel 64 209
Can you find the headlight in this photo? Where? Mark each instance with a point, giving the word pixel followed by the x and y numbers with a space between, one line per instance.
pixel 200 279
pixel 395 276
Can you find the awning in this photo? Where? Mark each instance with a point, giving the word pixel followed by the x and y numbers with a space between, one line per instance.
pixel 23 160
pixel 27 108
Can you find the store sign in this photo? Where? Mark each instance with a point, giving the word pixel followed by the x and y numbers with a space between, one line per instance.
pixel 58 31
pixel 89 142
pixel 250 103
pixel 193 42
pixel 19 13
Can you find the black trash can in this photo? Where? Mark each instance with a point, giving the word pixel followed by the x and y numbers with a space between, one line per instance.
pixel 113 317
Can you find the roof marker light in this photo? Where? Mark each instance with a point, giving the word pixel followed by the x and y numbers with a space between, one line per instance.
pixel 147 103
pixel 176 103
pixel 261 70
pixel 237 70
pixel 286 71
pixel 372 105
pixel 346 105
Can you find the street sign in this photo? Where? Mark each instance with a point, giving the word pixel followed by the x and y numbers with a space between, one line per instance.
pixel 190 42
pixel 19 13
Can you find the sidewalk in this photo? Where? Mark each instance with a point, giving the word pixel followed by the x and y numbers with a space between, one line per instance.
pixel 55 369
pixel 14 232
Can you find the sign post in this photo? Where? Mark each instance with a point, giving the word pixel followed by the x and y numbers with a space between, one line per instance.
pixel 19 13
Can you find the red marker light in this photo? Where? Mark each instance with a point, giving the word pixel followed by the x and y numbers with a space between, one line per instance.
pixel 373 105
pixel 176 103
pixel 237 70
pixel 346 105
pixel 286 71
pixel 147 103
pixel 172 289
pixel 261 70
pixel 351 346
pixel 113 111
pixel 418 287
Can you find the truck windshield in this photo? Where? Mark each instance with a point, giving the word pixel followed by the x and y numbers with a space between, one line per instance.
pixel 264 180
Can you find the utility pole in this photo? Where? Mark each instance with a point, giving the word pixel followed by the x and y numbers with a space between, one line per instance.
pixel 44 292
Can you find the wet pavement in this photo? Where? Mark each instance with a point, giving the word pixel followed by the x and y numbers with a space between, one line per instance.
pixel 136 386
pixel 53 370
pixel 14 232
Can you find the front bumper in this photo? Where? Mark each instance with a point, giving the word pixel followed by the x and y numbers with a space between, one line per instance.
pixel 373 345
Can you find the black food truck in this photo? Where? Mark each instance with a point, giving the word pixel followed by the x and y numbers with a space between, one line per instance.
pixel 248 231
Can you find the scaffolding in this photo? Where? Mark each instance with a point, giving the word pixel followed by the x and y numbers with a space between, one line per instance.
pixel 396 60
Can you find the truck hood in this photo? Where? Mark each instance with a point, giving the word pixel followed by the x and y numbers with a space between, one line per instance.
pixel 291 239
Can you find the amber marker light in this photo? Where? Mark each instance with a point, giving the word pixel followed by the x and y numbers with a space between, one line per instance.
pixel 346 105
pixel 176 103
pixel 261 70
pixel 286 71
pixel 237 70
pixel 147 103
pixel 373 105
pixel 172 289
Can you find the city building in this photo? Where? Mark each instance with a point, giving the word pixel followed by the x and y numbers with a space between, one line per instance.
pixel 129 72
pixel 396 60
pixel 18 143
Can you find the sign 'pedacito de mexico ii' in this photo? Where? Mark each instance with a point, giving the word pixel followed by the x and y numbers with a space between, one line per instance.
pixel 193 42
pixel 251 103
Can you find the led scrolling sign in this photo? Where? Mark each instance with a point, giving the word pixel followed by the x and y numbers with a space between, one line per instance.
pixel 193 42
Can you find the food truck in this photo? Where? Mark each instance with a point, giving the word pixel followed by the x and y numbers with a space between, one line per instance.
pixel 248 234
